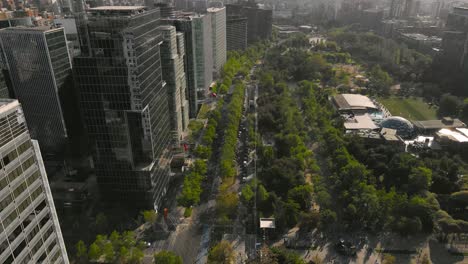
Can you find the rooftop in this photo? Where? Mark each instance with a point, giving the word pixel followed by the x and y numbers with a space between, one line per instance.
pixel 454 135
pixel 215 9
pixel 389 134
pixel 184 16
pixel 117 8
pixel 166 27
pixel 353 102
pixel 360 122
pixel 8 104
pixel 421 37
pixel 439 124
pixel 38 29
pixel 5 102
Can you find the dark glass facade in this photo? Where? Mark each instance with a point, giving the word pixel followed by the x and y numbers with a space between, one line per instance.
pixel 124 104
pixel 39 70
pixel 236 33
pixel 259 21
pixel 4 93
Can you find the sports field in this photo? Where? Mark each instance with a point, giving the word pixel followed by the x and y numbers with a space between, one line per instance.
pixel 410 108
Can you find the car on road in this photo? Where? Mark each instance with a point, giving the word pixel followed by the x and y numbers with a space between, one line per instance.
pixel 345 248
pixel 248 178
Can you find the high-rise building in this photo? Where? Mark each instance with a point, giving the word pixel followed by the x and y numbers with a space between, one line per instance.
pixel 186 26
pixel 16 21
pixel 371 18
pixel 455 38
pixel 4 93
pixel 66 6
pixel 124 103
pixel 236 33
pixel 183 95
pixel 411 8
pixel 29 228
pixel 71 32
pixel 198 55
pixel 167 10
pixel 218 35
pixel 199 6
pixel 181 4
pixel 435 8
pixel 397 8
pixel 172 61
pixel 203 53
pixel 259 20
pixel 39 69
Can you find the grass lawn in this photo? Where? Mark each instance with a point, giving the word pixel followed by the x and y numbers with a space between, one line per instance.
pixel 410 108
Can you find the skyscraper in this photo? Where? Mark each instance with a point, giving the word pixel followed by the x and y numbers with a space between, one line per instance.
pixel 29 228
pixel 218 35
pixel 172 60
pixel 199 6
pixel 259 20
pixel 203 53
pixel 198 54
pixel 236 33
pixel 397 8
pixel 411 8
pixel 124 103
pixel 39 68
pixel 181 4
pixel 167 10
pixel 183 98
pixel 4 93
pixel 436 6
pixel 455 38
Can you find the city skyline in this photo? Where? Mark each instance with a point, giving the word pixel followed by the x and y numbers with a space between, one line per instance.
pixel 237 131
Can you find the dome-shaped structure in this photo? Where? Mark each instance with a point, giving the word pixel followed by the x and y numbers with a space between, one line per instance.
pixel 403 127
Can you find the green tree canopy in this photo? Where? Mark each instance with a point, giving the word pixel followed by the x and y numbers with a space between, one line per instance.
pixel 108 252
pixel 419 179
pixel 286 256
pixel 449 105
pixel 150 216
pixel 167 257
pixel 464 110
pixel 81 250
pixel 222 253
pixel 94 252
pixel 302 195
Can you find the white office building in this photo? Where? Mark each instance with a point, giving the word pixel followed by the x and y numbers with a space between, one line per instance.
pixel 29 228
pixel 218 36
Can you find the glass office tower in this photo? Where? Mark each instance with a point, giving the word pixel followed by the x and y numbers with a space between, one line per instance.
pixel 29 228
pixel 259 20
pixel 198 55
pixel 124 103
pixel 236 33
pixel 39 69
